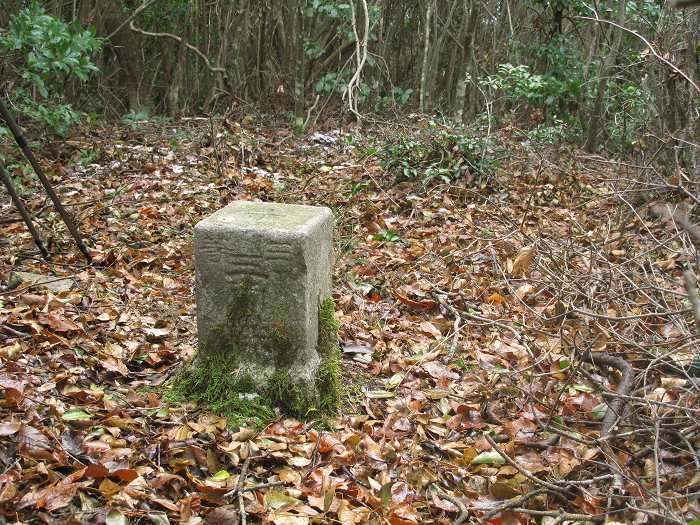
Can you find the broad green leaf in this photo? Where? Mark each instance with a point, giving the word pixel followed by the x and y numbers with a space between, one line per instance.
pixel 385 494
pixel 114 517
pixel 599 411
pixel 222 475
pixel 394 381
pixel 379 394
pixel 328 498
pixel 76 415
pixel 558 422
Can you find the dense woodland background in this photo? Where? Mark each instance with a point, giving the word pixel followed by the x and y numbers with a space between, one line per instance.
pixel 620 75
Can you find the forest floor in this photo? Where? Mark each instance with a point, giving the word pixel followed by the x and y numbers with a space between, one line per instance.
pixel 519 341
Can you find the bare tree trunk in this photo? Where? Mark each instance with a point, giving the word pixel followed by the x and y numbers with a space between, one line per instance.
pixel 125 45
pixel 594 127
pixel 472 8
pixel 299 69
pixel 426 49
pixel 692 134
pixel 176 82
pixel 262 25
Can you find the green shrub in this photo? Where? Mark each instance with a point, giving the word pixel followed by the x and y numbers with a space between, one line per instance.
pixel 518 84
pixel 546 135
pixel 44 53
pixel 435 152
pixel 554 94
pixel 628 107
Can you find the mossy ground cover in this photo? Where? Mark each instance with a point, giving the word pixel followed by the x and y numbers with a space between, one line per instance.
pixel 215 381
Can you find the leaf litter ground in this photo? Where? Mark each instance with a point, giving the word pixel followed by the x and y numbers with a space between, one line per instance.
pixel 474 317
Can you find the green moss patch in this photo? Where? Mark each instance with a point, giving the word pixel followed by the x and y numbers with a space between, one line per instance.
pixel 215 381
pixel 218 385
pixel 330 370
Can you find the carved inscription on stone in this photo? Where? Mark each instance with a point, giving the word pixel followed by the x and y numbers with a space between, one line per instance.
pixel 253 263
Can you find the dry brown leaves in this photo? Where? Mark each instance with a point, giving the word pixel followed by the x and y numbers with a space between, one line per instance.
pixel 85 436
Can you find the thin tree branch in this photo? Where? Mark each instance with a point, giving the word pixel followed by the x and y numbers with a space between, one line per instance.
pixel 361 58
pixel 213 69
pixel 130 18
pixel 692 289
pixel 521 469
pixel 646 43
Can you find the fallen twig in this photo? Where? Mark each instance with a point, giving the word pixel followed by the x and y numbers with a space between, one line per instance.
pixel 241 479
pixel 523 470
pixel 614 407
pixel 239 493
pixel 463 512
pixel 692 289
pixel 515 502
pixel 14 333
pixel 561 516
pixel 263 486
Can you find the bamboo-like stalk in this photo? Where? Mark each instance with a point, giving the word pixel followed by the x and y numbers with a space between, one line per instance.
pixel 23 211
pixel 24 146
pixel 426 53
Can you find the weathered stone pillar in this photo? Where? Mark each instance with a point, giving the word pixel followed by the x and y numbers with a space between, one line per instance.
pixel 263 270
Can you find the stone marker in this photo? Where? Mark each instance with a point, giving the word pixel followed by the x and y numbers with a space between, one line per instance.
pixel 55 284
pixel 262 271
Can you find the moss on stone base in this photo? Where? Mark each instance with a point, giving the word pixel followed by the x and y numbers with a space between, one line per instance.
pixel 329 375
pixel 215 381
pixel 219 386
pixel 290 397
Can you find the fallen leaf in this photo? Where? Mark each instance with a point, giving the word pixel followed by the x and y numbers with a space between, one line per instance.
pixel 76 415
pixel 275 499
pixel 524 261
pixel 503 491
pixel 288 519
pixel 488 458
pixel 34 444
pixel 156 335
pixel 61 324
pixel 114 517
pixel 9 428
pixel 115 365
pixel 430 328
pixel 439 371
pixel 221 475
pixel 223 515
pixel 425 304
pixel 495 298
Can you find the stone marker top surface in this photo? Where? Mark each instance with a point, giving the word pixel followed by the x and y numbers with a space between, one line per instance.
pixel 247 215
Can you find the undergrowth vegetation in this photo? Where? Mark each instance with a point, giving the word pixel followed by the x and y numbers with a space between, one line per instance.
pixel 514 334
pixel 436 153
